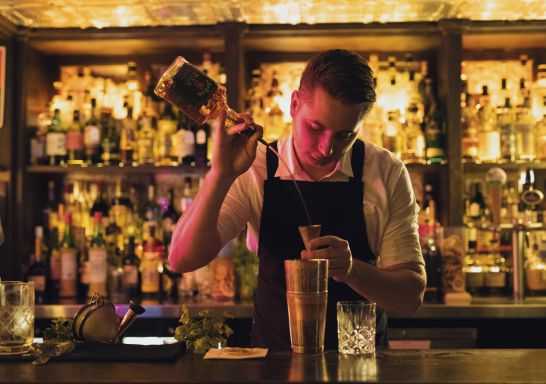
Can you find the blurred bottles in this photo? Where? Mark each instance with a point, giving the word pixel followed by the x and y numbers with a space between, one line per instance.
pixel 56 141
pixel 37 271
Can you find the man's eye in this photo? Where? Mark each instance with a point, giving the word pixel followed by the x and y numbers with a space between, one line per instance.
pixel 346 135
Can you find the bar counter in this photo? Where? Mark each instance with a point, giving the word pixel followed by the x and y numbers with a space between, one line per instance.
pixel 392 366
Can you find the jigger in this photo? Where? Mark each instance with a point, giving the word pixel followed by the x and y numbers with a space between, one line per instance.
pixel 130 316
pixel 308 233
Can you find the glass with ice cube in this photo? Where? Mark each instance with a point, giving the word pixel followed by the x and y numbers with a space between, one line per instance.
pixel 16 317
pixel 356 327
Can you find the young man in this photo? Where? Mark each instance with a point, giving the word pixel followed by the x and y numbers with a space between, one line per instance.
pixel 359 193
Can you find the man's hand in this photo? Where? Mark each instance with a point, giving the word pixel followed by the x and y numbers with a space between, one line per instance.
pixel 234 153
pixel 336 250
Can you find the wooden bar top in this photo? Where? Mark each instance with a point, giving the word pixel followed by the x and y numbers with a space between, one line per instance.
pixel 390 366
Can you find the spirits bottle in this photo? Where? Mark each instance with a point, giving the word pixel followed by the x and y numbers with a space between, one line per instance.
pixel 469 127
pixel 69 263
pixel 166 126
pixel 146 141
pixel 477 203
pixel 54 272
pixel 525 132
pixel 184 142
pixel 415 149
pixel 74 141
pixel 98 259
pixel 202 133
pixel 505 119
pixel 109 139
pixel 393 137
pixel 128 139
pixel 37 271
pixel 151 267
pixel 488 134
pixel 169 219
pixel 56 141
pixel 541 135
pixel 92 136
pixel 131 270
pixel 152 210
pixel 433 126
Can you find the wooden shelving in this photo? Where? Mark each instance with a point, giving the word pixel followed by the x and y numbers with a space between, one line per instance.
pixel 116 170
pixel 507 166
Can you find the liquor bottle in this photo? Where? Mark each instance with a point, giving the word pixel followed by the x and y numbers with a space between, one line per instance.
pixel 56 141
pixel 131 270
pixel 433 263
pixel 393 136
pixel 488 135
pixel 54 275
pixel 168 220
pixel 187 195
pixel 194 93
pixel 38 140
pixel 128 140
pixel 541 135
pixel 98 259
pixel 202 133
pixel 49 208
pixel 184 142
pixel 151 267
pixel 429 205
pixel 100 204
pixel 469 127
pixel 477 203
pixel 91 136
pixel 525 132
pixel 37 271
pixel 433 126
pixel 275 117
pixel 166 127
pixel 69 263
pixel 505 120
pixel 74 141
pixel 109 139
pixel 539 92
pixel 415 149
pixel 152 210
pixel 146 141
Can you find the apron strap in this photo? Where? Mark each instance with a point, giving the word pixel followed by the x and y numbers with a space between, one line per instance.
pixel 357 160
pixel 272 161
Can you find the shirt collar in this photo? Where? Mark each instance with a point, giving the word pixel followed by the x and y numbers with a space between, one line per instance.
pixel 286 151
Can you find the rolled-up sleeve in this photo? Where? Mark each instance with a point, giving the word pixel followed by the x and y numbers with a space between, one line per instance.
pixel 235 210
pixel 400 242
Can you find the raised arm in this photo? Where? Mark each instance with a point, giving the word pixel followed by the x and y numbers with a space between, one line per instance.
pixel 196 239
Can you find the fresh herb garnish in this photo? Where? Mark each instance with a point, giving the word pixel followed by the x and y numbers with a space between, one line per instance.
pixel 207 330
pixel 60 330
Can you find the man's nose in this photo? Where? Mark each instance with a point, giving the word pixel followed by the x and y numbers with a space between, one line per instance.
pixel 326 146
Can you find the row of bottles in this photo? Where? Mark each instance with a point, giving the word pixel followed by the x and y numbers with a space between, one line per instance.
pixel 170 139
pixel 406 118
pixel 99 238
pixel 509 123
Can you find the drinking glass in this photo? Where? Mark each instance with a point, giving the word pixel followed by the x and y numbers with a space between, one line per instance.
pixel 16 316
pixel 356 327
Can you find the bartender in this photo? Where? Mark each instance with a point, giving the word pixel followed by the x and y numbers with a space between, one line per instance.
pixel 360 193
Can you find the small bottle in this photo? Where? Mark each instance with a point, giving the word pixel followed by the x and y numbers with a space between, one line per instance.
pixel 151 266
pixel 69 263
pixel 166 127
pixel 525 132
pixel 146 141
pixel 505 119
pixel 54 272
pixel 109 139
pixel 477 203
pixel 56 141
pixel 184 142
pixel 98 260
pixel 131 270
pixel 489 147
pixel 92 136
pixel 128 139
pixel 37 271
pixel 74 141
pixel 168 220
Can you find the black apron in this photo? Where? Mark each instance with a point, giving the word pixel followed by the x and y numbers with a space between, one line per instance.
pixel 337 206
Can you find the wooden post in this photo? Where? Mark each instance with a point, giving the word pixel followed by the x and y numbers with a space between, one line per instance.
pixel 234 62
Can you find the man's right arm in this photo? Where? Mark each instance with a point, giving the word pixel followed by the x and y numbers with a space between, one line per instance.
pixel 196 239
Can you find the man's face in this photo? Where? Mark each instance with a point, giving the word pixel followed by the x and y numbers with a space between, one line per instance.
pixel 323 128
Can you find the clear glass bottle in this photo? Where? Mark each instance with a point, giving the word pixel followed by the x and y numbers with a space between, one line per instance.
pixel 56 141
pixel 166 127
pixel 415 148
pixel 128 139
pixel 92 136
pixel 505 120
pixel 489 148
pixel 525 132
pixel 146 141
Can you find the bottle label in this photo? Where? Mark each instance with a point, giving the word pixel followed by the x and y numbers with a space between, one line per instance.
pixel 97 265
pixel 74 140
pixel 201 137
pixel 39 282
pixel 55 144
pixel 130 276
pixel 186 143
pixel 68 264
pixel 191 88
pixel 55 265
pixel 37 149
pixel 150 272
pixel 474 210
pixel 91 136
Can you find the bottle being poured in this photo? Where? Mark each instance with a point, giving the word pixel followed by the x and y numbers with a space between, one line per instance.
pixel 203 99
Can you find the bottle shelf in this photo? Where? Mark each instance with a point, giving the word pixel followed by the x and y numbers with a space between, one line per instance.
pixel 117 170
pixel 426 167
pixel 507 166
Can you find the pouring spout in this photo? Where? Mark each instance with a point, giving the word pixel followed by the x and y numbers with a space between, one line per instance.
pixel 130 316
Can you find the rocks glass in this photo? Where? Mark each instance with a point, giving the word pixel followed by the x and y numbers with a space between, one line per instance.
pixel 356 327
pixel 16 317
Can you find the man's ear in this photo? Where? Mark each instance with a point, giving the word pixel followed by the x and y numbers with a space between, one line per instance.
pixel 294 103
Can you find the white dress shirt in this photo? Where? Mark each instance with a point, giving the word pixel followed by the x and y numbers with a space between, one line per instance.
pixel 389 206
